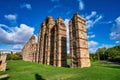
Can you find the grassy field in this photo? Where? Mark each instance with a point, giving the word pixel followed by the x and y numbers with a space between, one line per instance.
pixel 21 70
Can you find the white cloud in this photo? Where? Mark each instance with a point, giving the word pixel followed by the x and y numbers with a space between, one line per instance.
pixel 92 19
pixel 93 13
pixel 12 17
pixel 93 50
pixel 67 32
pixel 98 18
pixel 117 42
pixel 36 37
pixel 17 35
pixel 91 36
pixel 81 4
pixel 106 46
pixel 54 0
pixel 93 46
pixel 115 34
pixel 18 47
pixel 53 8
pixel 105 22
pixel 27 6
pixel 4 26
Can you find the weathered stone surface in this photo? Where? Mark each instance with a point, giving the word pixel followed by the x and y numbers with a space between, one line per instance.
pixel 78 42
pixel 52 43
pixel 60 48
pixel 44 36
pixel 51 48
pixel 3 62
pixel 29 50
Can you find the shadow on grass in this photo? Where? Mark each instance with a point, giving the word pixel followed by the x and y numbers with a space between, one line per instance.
pixel 67 66
pixel 38 77
pixel 7 69
pixel 115 67
pixel 5 78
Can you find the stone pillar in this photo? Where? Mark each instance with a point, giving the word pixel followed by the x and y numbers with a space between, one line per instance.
pixel 71 49
pixel 48 49
pixel 78 42
pixel 61 55
pixel 43 42
pixel 55 46
pixel 50 55
pixel 38 47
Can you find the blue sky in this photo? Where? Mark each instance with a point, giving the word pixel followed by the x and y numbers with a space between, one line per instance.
pixel 19 19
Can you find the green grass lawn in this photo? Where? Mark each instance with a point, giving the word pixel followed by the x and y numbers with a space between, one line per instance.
pixel 21 70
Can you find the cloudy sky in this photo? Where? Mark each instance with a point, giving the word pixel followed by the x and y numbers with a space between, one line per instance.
pixel 19 19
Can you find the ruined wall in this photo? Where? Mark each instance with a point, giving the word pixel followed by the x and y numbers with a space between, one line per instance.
pixel 78 42
pixel 3 62
pixel 29 50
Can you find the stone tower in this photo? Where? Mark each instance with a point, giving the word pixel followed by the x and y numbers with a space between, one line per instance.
pixel 29 50
pixel 78 42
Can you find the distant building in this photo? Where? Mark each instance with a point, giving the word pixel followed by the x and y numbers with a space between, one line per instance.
pixel 7 52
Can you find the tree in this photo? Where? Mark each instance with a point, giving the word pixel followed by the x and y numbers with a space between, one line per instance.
pixel 100 53
pixel 113 54
pixel 93 57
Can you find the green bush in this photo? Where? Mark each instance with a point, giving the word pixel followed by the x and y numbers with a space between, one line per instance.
pixel 16 56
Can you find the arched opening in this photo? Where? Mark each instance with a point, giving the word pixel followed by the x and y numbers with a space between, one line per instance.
pixel 63 50
pixel 52 44
pixel 44 49
pixel 75 56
